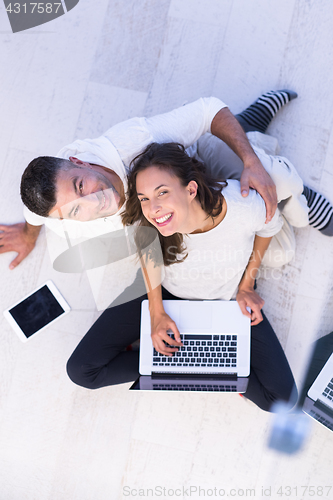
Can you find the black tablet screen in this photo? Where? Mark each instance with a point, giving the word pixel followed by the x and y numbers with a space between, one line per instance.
pixel 36 311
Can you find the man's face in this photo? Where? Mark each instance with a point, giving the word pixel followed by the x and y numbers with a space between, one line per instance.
pixel 85 192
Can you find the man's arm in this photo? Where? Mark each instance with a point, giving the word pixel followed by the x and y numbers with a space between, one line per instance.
pixel 185 124
pixel 226 127
pixel 20 238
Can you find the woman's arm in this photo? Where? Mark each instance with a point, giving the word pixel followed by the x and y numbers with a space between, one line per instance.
pixel 161 323
pixel 246 296
pixel 159 319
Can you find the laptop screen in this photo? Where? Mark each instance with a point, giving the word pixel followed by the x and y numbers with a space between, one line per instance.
pixel 155 383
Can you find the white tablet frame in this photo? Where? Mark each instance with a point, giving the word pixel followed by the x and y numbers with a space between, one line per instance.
pixel 57 295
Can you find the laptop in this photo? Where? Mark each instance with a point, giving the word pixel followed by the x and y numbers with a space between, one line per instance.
pixel 319 401
pixel 215 356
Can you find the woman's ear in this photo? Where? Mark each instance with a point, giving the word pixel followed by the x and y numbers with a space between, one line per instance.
pixel 192 188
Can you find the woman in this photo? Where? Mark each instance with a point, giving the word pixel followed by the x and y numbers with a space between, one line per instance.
pixel 226 238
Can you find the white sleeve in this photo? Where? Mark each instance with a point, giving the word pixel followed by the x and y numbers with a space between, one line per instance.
pixel 186 124
pixel 259 217
pixel 32 218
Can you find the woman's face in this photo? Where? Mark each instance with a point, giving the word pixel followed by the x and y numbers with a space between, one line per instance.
pixel 164 201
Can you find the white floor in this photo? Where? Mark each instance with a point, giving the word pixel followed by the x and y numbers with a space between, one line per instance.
pixel 99 64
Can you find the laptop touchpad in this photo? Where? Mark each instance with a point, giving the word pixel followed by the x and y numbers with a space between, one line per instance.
pixel 195 317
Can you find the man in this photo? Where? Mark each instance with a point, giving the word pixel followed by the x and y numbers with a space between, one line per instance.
pixel 87 181
pixel 103 163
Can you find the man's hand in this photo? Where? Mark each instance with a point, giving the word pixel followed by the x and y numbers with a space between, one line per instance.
pixel 20 238
pixel 247 297
pixel 226 127
pixel 255 176
pixel 160 324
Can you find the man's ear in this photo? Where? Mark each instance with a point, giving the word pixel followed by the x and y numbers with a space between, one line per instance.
pixel 79 163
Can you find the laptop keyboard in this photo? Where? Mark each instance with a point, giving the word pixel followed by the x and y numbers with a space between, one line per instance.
pixel 201 351
pixel 328 391
pixel 321 419
pixel 194 387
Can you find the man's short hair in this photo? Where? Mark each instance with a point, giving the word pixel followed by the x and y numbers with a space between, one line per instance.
pixel 38 183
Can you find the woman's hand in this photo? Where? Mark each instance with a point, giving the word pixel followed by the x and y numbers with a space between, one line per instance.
pixel 247 297
pixel 160 324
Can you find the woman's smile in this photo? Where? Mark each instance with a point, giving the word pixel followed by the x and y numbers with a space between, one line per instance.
pixel 164 220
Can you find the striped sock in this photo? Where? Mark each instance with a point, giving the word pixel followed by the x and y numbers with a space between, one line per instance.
pixel 320 211
pixel 259 115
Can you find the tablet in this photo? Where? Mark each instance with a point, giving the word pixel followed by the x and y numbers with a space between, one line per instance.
pixel 37 311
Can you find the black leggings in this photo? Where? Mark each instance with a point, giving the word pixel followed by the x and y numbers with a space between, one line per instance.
pixel 100 360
